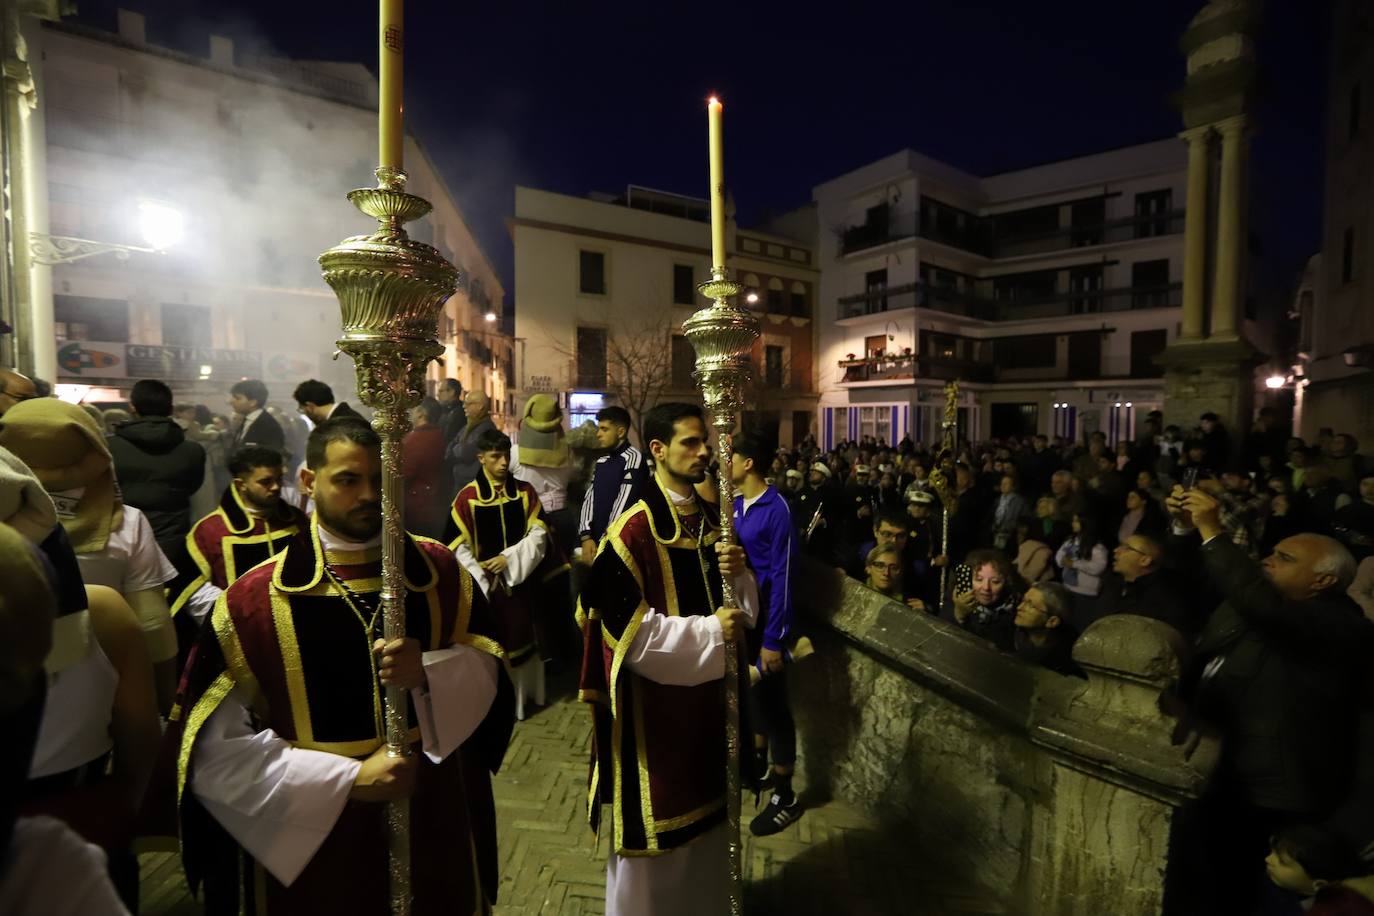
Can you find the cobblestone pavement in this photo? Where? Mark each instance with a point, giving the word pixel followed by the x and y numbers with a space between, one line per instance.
pixel 832 861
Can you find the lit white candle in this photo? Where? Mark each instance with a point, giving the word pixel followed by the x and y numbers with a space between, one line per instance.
pixel 713 121
pixel 390 103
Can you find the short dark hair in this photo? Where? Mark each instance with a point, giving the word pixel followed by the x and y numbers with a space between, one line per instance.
pixel 660 419
pixel 756 446
pixel 151 398
pixel 493 440
pixel 895 517
pixel 1209 416
pixel 613 414
pixel 451 384
pixel 251 388
pixel 1322 852
pixel 338 429
pixel 254 456
pixel 430 408
pixel 1058 600
pixel 42 388
pixel 313 391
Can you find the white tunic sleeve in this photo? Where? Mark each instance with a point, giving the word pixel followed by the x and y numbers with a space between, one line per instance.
pixel 279 802
pixel 468 560
pixel 462 685
pixel 524 556
pixel 202 601
pixel 686 651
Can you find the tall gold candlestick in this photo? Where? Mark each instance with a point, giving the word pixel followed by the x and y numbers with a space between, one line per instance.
pixel 723 336
pixel 714 115
pixel 390 92
pixel 942 477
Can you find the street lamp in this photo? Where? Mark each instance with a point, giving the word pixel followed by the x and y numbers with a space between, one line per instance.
pixel 1275 382
pixel 491 317
pixel 161 226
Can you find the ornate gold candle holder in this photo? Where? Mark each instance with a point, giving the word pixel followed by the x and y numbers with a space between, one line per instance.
pixel 391 289
pixel 723 336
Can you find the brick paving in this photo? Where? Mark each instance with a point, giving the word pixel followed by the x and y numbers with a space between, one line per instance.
pixel 833 860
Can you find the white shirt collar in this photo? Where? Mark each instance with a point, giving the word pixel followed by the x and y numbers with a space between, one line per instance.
pixel 331 541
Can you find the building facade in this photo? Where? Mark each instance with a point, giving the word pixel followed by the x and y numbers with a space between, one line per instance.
pixel 604 283
pixel 1048 292
pixel 1337 350
pixel 252 160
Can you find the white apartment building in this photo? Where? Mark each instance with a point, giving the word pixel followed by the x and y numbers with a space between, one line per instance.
pixel 1047 292
pixel 255 160
pixel 604 283
pixel 1337 346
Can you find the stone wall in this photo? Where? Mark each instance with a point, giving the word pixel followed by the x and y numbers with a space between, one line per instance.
pixel 1054 794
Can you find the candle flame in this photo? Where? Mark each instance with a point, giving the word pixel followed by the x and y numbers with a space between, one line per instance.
pixel 713 100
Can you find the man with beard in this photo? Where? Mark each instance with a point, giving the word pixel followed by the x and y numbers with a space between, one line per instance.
pixel 283 763
pixel 251 524
pixel 655 637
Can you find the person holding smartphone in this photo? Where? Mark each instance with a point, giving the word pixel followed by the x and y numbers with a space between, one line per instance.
pixel 987 592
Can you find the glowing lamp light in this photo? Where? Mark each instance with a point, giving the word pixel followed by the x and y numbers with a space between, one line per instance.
pixel 1118 403
pixel 490 316
pixel 1128 404
pixel 751 298
pixel 1274 381
pixel 162 226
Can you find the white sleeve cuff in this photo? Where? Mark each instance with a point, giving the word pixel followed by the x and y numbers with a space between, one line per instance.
pixel 462 686
pixel 279 802
pixel 678 651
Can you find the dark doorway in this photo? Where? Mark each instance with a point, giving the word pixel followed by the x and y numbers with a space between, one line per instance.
pixel 1014 420
pixel 1085 355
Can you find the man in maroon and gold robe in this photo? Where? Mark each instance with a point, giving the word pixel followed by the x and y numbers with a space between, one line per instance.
pixel 655 639
pixel 251 524
pixel 282 770
pixel 497 532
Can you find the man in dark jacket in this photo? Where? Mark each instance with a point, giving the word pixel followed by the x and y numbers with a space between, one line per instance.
pixel 462 451
pixel 255 425
pixel 315 399
pixel 1140 586
pixel 1283 660
pixel 157 467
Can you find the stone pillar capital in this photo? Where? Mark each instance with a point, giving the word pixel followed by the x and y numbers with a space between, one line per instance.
pixel 1197 135
pixel 1237 126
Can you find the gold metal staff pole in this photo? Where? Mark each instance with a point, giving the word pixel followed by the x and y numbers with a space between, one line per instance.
pixel 391 289
pixel 942 477
pixel 723 335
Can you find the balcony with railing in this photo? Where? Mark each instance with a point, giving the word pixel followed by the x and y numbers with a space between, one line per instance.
pixel 980 236
pixel 954 301
pixel 897 367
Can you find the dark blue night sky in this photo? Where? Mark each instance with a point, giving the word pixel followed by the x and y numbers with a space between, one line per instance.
pixel 575 97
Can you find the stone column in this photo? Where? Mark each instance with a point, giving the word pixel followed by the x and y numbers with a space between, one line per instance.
pixel 1228 283
pixel 1195 235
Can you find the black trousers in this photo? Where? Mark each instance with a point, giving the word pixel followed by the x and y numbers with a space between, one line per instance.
pixel 773 717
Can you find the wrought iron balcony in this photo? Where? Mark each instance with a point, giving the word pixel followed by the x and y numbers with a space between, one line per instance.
pixel 957 302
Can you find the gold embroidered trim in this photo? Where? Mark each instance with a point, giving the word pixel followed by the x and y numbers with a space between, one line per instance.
pixel 646 802
pixel 691 817
pixel 234 657
pixel 293 668
pixel 207 704
pixel 269 537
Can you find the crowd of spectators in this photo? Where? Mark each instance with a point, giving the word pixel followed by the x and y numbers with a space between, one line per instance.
pixel 1258 550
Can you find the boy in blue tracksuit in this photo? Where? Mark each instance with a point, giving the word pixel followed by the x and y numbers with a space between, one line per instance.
pixel 765 529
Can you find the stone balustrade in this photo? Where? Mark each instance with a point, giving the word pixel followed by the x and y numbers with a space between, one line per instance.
pixel 1053 794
